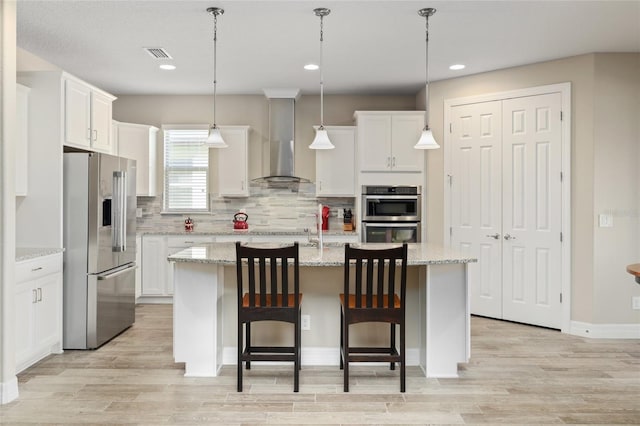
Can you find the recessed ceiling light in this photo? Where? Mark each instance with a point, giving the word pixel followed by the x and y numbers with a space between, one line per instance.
pixel 311 67
pixel 167 67
pixel 456 67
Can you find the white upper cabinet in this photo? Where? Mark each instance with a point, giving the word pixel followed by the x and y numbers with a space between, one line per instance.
pixel 335 168
pixel 22 141
pixel 233 162
pixel 87 116
pixel 386 140
pixel 139 142
pixel 101 113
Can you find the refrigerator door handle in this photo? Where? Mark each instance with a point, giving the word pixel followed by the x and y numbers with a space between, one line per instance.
pixel 102 277
pixel 123 212
pixel 118 211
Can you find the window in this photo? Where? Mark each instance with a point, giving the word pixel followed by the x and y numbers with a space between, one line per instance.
pixel 186 169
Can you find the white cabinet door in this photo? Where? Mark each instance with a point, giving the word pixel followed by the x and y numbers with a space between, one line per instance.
pixel 405 132
pixel 154 265
pixel 139 142
pixel 26 298
pixel 233 162
pixel 138 275
pixel 335 168
pixel 49 309
pixel 22 141
pixel 77 123
pixel 374 137
pixel 101 123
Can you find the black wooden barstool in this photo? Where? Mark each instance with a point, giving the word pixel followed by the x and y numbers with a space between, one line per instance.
pixel 266 294
pixel 370 296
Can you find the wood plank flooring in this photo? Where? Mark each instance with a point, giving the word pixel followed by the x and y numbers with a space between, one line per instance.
pixel 517 374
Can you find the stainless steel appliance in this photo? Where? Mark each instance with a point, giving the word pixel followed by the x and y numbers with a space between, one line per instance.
pixel 100 249
pixel 391 214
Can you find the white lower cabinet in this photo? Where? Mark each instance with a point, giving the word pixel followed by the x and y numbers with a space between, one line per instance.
pixel 157 272
pixel 38 309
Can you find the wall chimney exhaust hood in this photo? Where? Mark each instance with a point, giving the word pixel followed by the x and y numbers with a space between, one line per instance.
pixel 281 138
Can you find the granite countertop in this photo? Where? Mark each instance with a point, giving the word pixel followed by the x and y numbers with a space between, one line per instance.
pixel 229 231
pixel 332 254
pixel 26 253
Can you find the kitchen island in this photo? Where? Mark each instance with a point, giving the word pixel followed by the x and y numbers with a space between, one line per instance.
pixel 440 323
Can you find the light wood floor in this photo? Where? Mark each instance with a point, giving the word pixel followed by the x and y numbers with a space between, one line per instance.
pixel 517 374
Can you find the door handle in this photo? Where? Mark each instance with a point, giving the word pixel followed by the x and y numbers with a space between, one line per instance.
pixel 509 237
pixel 393 162
pixel 34 293
pixel 495 236
pixel 388 161
pixel 95 135
pixel 39 294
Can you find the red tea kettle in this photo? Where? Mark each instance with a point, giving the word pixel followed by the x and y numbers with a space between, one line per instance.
pixel 240 221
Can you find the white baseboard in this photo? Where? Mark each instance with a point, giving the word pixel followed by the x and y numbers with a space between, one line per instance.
pixel 317 356
pixel 9 390
pixel 157 300
pixel 605 331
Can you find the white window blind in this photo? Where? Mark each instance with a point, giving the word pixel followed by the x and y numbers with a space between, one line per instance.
pixel 186 170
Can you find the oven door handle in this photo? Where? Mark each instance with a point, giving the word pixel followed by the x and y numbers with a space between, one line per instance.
pixel 377 198
pixel 412 224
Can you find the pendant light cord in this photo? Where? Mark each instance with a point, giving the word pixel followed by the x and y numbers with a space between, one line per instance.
pixel 426 76
pixel 215 80
pixel 321 75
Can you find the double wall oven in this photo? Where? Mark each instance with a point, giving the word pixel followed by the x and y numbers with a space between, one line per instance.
pixel 391 214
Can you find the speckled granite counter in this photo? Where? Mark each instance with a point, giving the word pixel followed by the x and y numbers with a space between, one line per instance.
pixel 331 255
pixel 250 232
pixel 204 307
pixel 26 253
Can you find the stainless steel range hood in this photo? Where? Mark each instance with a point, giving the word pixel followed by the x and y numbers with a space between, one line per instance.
pixel 281 141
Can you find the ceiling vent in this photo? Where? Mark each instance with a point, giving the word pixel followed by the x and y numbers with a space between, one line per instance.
pixel 158 52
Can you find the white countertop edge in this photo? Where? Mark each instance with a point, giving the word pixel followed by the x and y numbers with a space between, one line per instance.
pixel 27 253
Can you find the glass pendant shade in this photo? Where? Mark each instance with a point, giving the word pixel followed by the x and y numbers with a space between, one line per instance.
pixel 214 140
pixel 426 141
pixel 321 141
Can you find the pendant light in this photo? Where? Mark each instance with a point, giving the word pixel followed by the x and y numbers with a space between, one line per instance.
pixel 426 140
pixel 214 140
pixel 321 141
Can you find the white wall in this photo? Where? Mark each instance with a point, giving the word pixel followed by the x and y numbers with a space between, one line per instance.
pixel 8 134
pixel 616 181
pixel 587 86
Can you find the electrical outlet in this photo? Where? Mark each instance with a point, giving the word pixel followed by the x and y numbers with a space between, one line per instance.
pixel 139 212
pixel 635 302
pixel 340 214
pixel 306 322
pixel 605 220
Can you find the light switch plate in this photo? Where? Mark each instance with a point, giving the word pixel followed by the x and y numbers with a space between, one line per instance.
pixel 605 220
pixel 635 302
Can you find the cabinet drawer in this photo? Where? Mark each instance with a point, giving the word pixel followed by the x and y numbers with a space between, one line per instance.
pixel 187 241
pixel 39 267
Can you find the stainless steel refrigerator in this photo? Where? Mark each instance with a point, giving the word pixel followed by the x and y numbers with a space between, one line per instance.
pixel 100 248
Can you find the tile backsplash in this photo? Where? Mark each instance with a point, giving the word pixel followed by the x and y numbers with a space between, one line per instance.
pixel 289 207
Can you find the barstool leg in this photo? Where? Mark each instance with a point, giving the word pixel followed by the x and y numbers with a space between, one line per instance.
pixel 341 338
pixel 248 345
pixel 240 350
pixel 392 345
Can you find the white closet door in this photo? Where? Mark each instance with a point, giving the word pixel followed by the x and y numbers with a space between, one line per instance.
pixel 531 219
pixel 476 209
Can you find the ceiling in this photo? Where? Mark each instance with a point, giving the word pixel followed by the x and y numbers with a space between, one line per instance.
pixel 370 47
